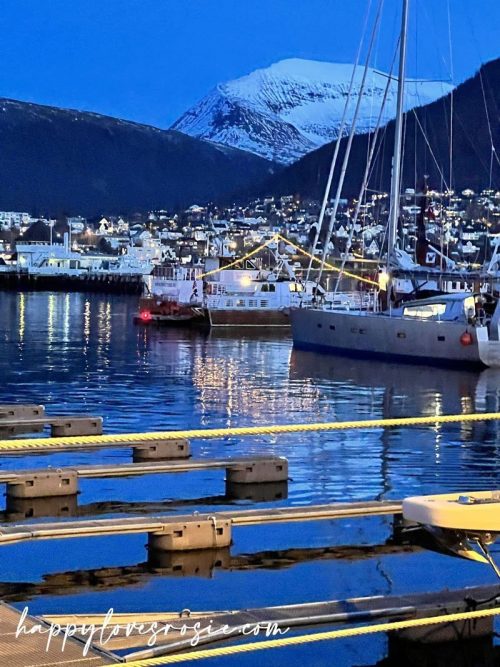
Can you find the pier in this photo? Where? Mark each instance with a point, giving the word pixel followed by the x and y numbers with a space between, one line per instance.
pixel 198 543
pixel 29 650
pixel 15 419
pixel 198 523
pixel 423 617
pixel 49 483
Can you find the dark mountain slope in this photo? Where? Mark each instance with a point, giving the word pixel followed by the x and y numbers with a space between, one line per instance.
pixel 62 161
pixel 471 146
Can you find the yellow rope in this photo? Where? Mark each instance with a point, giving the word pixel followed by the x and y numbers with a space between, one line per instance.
pixel 241 259
pixel 328 266
pixel 309 639
pixel 123 438
pixel 279 237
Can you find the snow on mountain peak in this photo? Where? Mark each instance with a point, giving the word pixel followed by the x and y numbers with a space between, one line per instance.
pixel 293 106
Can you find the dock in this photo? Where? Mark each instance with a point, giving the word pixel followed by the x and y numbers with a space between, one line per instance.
pixel 16 419
pixel 330 613
pixel 31 650
pixel 138 469
pixel 54 491
pixel 217 626
pixel 196 544
pixel 162 524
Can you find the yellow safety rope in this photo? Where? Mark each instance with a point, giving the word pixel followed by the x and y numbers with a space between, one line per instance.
pixel 328 266
pixel 273 239
pixel 309 639
pixel 279 237
pixel 123 438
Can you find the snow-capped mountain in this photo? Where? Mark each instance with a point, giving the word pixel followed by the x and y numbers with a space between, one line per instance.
pixel 292 107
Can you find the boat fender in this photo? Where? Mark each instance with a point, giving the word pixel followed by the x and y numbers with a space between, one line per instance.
pixel 466 338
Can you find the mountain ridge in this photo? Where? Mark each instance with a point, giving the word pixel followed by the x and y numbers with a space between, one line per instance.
pixel 471 146
pixel 64 160
pixel 295 105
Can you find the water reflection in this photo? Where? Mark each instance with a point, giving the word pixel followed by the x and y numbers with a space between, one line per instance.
pixel 82 354
pixel 190 564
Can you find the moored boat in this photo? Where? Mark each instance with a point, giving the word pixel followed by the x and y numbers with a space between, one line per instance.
pixel 460 328
pixel 448 329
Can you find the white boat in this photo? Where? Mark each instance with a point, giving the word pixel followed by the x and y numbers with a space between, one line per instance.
pixel 261 300
pixel 458 329
pixel 177 293
pixel 57 266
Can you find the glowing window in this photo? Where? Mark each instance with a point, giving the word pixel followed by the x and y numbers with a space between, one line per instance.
pixel 425 310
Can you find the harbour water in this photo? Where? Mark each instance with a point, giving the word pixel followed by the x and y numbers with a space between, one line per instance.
pixel 80 353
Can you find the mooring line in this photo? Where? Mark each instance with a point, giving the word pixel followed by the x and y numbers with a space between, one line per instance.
pixel 312 638
pixel 276 429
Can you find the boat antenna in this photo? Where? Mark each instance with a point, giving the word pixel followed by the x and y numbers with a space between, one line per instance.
pixel 398 136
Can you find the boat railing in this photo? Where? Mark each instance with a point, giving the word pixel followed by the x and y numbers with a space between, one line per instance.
pixel 352 301
pixel 177 273
pixel 245 302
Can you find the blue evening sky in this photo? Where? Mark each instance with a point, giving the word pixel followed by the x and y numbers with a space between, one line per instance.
pixel 149 60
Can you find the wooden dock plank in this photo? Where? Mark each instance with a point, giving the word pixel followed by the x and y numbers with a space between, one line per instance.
pixel 30 650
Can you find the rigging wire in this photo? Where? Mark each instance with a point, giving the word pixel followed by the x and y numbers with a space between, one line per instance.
pixel 350 140
pixel 440 171
pixel 339 140
pixel 366 176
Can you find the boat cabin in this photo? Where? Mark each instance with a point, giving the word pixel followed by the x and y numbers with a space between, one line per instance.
pixel 474 309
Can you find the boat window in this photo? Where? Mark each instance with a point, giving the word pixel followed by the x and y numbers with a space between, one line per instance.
pixel 272 288
pixel 295 287
pixel 265 288
pixel 240 303
pixel 425 310
pixel 264 303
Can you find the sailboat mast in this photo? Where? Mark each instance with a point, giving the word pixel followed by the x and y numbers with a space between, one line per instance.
pixel 398 140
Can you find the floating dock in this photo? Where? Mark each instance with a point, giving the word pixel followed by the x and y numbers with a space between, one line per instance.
pixel 31 650
pixel 15 419
pixel 163 525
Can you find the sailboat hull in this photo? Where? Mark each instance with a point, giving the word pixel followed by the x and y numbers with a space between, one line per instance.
pixel 380 336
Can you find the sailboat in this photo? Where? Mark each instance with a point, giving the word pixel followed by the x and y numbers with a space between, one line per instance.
pixel 461 329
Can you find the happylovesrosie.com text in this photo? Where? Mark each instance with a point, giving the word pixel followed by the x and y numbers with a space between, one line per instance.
pixel 103 633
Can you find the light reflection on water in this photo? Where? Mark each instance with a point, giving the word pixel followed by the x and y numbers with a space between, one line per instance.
pixel 81 354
